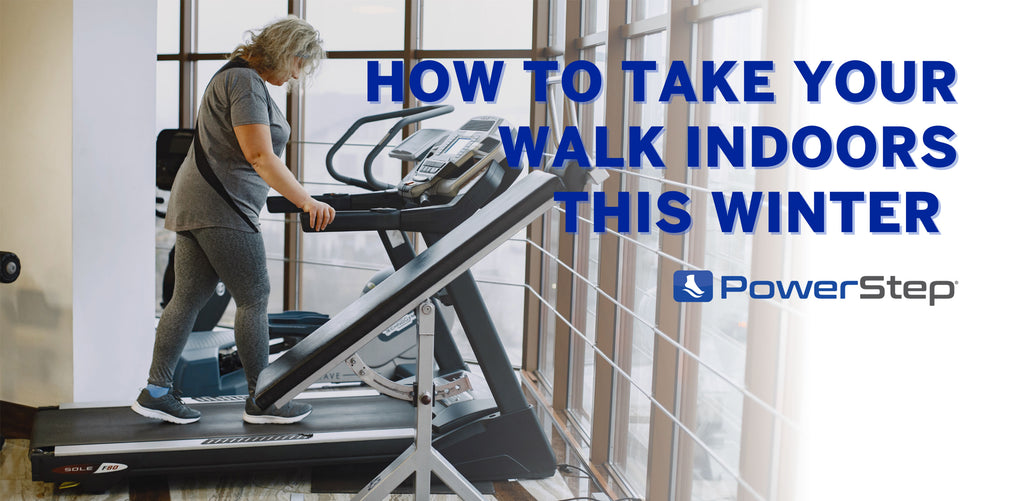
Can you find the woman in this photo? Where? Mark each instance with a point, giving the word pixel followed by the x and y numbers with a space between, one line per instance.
pixel 214 207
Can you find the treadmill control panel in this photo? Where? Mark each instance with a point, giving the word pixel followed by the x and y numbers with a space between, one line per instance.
pixel 454 159
pixel 416 146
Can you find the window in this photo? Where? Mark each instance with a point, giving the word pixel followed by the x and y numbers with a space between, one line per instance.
pixel 222 24
pixel 328 271
pixel 682 419
pixel 664 399
pixel 588 258
pixel 724 324
pixel 639 272
pixel 469 24
pixel 359 24
pixel 168 26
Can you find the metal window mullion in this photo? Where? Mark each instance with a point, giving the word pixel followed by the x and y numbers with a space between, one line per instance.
pixel 531 306
pixel 411 44
pixel 645 27
pixel 186 67
pixel 581 264
pixel 564 279
pixel 473 53
pixel 563 300
pixel 536 351
pixel 549 269
pixel 208 56
pixel 664 454
pixel 579 319
pixel 292 293
pixel 711 9
pixel 764 370
pixel 608 252
pixel 626 265
pixel 695 242
pixel 592 40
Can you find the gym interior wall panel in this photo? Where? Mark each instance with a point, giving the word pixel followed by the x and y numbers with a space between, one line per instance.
pixel 113 114
pixel 35 200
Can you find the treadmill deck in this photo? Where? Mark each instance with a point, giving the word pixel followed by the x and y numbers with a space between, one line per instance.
pixel 113 429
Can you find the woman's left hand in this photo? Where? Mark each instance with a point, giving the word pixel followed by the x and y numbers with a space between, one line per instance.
pixel 320 214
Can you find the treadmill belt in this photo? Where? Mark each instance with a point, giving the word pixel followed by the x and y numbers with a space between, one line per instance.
pixel 220 420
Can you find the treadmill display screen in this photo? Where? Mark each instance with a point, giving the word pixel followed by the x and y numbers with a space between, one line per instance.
pixel 459 143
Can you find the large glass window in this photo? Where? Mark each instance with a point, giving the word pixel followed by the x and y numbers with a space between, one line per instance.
pixel 222 23
pixel 511 102
pixel 641 262
pixel 724 323
pixel 549 292
pixel 336 265
pixel 595 16
pixel 168 27
pixel 359 24
pixel 332 268
pixel 470 24
pixel 591 116
pixel 609 406
pixel 689 443
pixel 644 9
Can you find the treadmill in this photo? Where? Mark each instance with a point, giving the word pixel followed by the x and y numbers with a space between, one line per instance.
pixel 96 445
pixel 209 364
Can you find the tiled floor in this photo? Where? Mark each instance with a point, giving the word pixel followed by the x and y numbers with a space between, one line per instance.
pixel 16 484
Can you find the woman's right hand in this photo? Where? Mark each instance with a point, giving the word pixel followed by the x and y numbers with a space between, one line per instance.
pixel 320 214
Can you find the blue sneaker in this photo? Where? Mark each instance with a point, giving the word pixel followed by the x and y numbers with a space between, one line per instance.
pixel 292 412
pixel 168 408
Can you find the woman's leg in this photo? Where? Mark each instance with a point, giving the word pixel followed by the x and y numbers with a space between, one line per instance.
pixel 194 284
pixel 240 261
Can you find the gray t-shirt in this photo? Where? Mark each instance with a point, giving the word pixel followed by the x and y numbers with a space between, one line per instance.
pixel 236 96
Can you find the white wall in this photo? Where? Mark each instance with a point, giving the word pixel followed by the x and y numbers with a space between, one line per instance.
pixel 113 117
pixel 903 400
pixel 35 200
pixel 77 96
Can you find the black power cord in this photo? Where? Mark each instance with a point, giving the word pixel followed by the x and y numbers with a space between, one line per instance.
pixel 565 469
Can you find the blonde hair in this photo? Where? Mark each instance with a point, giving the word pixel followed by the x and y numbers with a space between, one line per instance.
pixel 271 49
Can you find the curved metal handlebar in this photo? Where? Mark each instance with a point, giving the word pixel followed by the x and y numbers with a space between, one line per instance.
pixel 412 115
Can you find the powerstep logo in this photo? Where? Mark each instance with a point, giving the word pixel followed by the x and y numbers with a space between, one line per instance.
pixel 693 286
pixel 697 286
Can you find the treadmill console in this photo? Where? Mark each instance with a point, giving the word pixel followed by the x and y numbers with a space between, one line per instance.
pixel 455 159
pixel 416 146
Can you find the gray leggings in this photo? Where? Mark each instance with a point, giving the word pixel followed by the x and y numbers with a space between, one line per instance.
pixel 201 256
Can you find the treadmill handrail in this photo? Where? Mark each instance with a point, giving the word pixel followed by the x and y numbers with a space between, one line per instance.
pixel 386 210
pixel 411 115
pixel 424 276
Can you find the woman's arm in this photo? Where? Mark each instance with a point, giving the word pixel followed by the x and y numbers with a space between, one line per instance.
pixel 258 150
